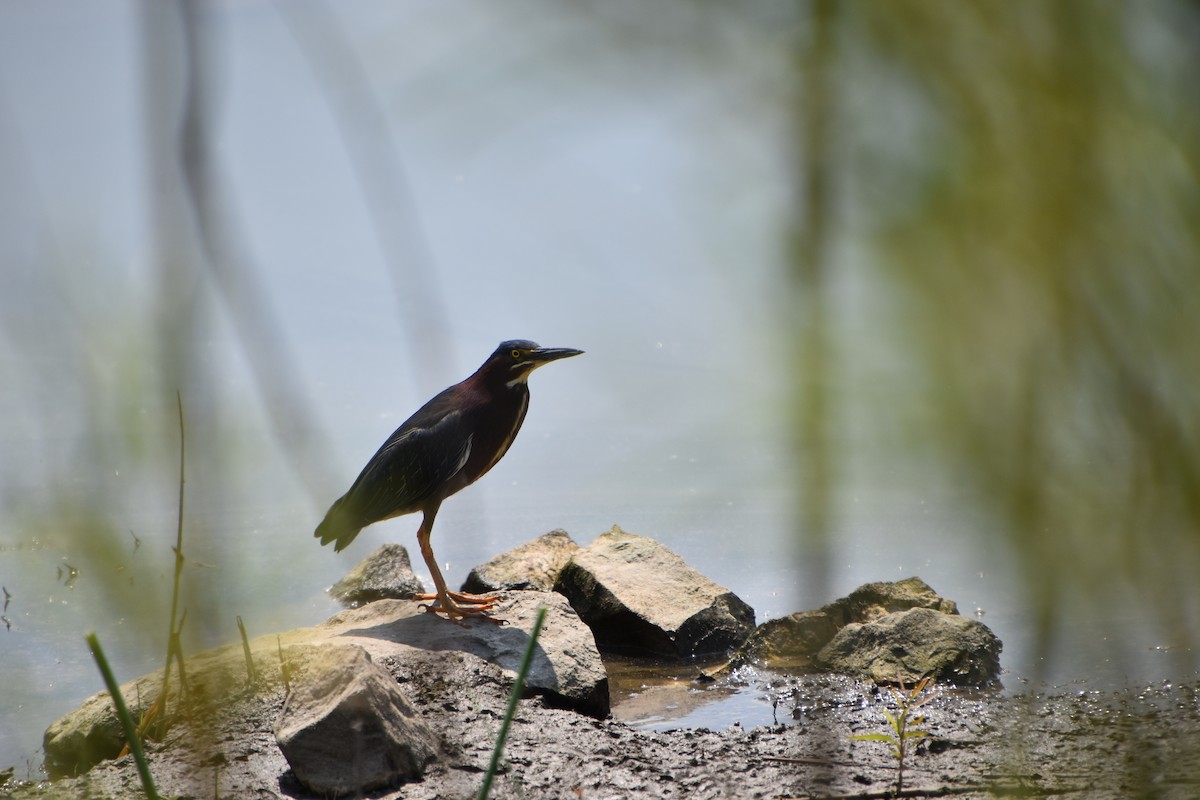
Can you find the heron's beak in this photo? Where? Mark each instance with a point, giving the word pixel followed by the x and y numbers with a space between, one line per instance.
pixel 544 355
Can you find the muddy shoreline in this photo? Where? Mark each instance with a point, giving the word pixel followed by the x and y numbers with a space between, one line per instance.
pixel 564 742
pixel 981 744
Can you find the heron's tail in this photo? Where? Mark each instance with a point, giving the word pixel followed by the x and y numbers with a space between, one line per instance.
pixel 338 527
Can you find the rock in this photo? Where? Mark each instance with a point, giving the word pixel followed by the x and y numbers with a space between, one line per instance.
pixel 386 573
pixel 638 597
pixel 907 645
pixel 873 600
pixel 566 668
pixel 791 642
pixel 795 641
pixel 347 728
pixel 533 565
pixel 88 735
pixel 91 733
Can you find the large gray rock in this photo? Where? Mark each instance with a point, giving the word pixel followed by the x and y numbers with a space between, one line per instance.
pixel 795 641
pixel 907 645
pixel 386 573
pixel 347 728
pixel 533 565
pixel 640 598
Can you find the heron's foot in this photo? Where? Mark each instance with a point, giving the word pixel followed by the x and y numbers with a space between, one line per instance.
pixel 472 606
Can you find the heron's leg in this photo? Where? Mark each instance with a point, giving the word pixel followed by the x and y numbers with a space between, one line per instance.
pixel 443 600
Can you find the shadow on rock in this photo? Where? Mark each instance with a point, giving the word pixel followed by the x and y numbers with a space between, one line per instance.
pixel 566 668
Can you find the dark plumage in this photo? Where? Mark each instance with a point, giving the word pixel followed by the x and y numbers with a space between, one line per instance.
pixel 448 444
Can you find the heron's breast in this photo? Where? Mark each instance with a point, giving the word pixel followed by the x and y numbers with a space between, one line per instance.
pixel 496 434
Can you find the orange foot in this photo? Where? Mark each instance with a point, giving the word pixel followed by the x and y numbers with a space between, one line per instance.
pixel 473 606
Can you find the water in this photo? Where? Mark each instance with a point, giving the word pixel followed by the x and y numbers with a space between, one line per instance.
pixel 741 538
pixel 636 214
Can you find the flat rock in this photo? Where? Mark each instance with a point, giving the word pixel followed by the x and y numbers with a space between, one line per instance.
pixel 640 598
pixel 347 728
pixel 794 642
pixel 386 573
pixel 566 667
pixel 533 565
pixel 907 645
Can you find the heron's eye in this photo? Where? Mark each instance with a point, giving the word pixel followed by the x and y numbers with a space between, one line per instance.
pixel 516 354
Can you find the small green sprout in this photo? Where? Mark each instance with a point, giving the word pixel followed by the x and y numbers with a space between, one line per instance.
pixel 905 723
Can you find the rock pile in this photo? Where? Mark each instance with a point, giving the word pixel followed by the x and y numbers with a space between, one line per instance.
pixel 351 722
pixel 636 595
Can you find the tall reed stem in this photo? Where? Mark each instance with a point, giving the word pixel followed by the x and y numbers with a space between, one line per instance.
pixel 173 646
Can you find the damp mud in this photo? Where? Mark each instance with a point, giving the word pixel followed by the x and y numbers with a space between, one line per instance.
pixel 978 744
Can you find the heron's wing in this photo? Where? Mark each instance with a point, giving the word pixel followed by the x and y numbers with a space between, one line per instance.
pixel 415 461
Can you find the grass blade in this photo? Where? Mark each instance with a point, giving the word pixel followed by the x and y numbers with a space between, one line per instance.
pixel 131 736
pixel 251 672
pixel 174 648
pixel 511 711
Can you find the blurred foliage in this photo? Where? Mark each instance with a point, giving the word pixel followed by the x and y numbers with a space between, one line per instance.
pixel 812 245
pixel 1045 239
pixel 1025 174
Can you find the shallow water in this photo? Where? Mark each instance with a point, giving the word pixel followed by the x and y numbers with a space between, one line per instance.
pixel 662 697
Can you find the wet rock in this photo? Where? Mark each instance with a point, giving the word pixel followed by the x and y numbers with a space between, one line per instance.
pixel 566 669
pixel 640 598
pixel 386 573
pixel 791 642
pixel 907 645
pixel 795 641
pixel 347 728
pixel 533 565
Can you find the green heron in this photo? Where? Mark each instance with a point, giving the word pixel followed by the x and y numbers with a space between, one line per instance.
pixel 450 443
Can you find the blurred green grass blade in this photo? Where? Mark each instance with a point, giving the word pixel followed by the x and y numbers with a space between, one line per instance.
pixel 513 698
pixel 135 744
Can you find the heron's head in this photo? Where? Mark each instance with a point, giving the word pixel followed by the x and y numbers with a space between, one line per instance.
pixel 516 358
